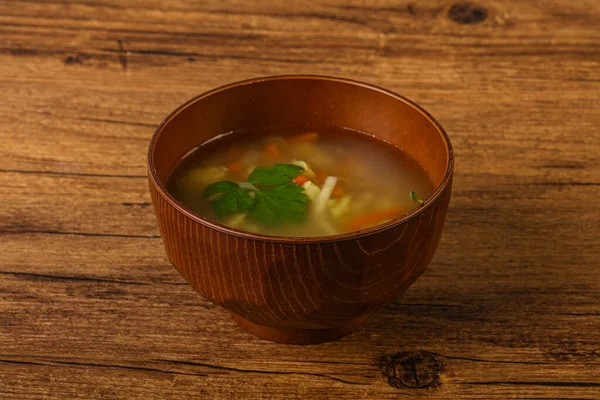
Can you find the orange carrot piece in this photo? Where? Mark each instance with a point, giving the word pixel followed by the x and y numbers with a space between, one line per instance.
pixel 235 167
pixel 271 151
pixel 299 180
pixel 303 138
pixel 367 220
pixel 338 191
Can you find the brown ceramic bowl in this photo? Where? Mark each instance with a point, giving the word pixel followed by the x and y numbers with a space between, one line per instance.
pixel 300 290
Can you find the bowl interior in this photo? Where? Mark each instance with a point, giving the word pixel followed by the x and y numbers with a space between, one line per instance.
pixel 310 102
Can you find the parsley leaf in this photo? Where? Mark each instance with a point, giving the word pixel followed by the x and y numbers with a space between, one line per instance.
pixel 276 200
pixel 415 197
pixel 231 198
pixel 280 205
pixel 278 175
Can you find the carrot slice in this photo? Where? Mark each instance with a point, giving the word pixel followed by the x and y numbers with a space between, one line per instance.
pixel 271 151
pixel 299 180
pixel 235 167
pixel 304 138
pixel 367 220
pixel 338 191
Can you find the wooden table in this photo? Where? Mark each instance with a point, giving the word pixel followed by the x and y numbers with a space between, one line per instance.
pixel 91 308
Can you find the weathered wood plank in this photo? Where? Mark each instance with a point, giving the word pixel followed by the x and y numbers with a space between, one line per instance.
pixel 524 140
pixel 537 332
pixel 91 308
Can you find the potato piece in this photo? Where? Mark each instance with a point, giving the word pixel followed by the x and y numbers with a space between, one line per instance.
pixel 311 190
pixel 201 177
pixel 308 172
pixel 340 207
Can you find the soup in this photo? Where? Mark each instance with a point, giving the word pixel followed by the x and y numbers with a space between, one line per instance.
pixel 299 184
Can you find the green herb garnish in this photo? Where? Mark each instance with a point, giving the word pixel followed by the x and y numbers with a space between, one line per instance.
pixel 278 175
pixel 277 200
pixel 280 205
pixel 415 197
pixel 231 198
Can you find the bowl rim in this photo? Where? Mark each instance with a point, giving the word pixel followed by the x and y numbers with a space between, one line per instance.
pixel 162 191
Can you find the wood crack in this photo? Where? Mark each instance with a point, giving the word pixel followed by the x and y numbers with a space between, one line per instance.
pixel 241 36
pixel 433 305
pixel 170 53
pixel 23 362
pixel 52 363
pixel 20 171
pixel 562 184
pixel 70 278
pixel 534 383
pixel 129 367
pixel 580 314
pixel 561 166
pixel 7 230
pixel 492 361
pixel 112 121
pixel 142 204
pixel 332 362
pixel 258 371
pixel 22 51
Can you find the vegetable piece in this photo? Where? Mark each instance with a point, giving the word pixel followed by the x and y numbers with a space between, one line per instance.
pixel 338 191
pixel 235 167
pixel 200 177
pixel 279 205
pixel 320 205
pixel 312 190
pixel 319 211
pixel 271 151
pixel 276 200
pixel 300 180
pixel 327 226
pixel 307 170
pixel 303 138
pixel 231 198
pixel 340 207
pixel 278 175
pixel 415 197
pixel 363 203
pixel 374 218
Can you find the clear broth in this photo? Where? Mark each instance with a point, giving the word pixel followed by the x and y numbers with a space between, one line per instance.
pixel 374 178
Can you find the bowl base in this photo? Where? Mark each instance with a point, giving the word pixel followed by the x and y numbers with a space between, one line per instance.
pixel 299 336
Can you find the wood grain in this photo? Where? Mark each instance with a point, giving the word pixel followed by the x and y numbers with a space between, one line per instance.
pixel 508 308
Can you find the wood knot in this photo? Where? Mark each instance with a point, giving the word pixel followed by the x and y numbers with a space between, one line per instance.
pixel 76 59
pixel 412 370
pixel 467 13
pixel 122 54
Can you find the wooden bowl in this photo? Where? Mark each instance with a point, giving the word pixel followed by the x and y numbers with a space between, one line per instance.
pixel 300 290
